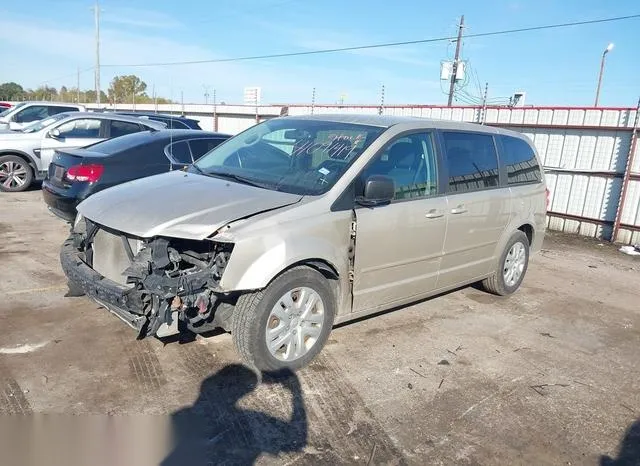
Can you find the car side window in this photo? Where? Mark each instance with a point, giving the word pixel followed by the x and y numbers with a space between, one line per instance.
pixel 411 163
pixel 472 161
pixel 180 152
pixel 32 113
pixel 199 147
pixel 55 109
pixel 87 128
pixel 521 162
pixel 175 124
pixel 121 128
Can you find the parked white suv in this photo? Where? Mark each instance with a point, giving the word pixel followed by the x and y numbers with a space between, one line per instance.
pixel 26 113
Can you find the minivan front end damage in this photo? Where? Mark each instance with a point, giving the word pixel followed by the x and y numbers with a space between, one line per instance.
pixel 159 286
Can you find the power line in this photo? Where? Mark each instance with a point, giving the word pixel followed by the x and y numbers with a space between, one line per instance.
pixel 374 46
pixel 66 76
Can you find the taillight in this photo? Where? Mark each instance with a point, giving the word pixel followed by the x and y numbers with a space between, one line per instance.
pixel 548 198
pixel 90 173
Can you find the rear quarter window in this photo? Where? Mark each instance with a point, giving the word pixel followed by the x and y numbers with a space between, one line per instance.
pixel 472 161
pixel 520 161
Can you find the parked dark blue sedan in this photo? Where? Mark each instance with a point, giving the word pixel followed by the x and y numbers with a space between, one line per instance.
pixel 75 174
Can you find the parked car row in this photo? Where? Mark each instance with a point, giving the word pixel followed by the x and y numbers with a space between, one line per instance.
pixel 25 155
pixel 31 132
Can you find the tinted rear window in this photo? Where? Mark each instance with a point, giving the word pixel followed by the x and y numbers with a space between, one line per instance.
pixel 180 152
pixel 471 160
pixel 199 147
pixel 122 128
pixel 520 160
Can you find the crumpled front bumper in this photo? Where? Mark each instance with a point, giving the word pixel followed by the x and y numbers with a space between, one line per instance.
pixel 105 292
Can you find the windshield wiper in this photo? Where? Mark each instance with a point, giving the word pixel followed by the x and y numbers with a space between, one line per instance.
pixel 239 179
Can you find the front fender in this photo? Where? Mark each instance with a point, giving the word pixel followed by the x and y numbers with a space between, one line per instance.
pixel 249 269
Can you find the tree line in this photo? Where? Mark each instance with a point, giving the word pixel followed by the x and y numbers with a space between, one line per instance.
pixel 122 89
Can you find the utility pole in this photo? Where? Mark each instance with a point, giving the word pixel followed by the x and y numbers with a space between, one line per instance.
pixel 96 11
pixel 215 112
pixel 454 69
pixel 381 108
pixel 483 112
pixel 182 101
pixel 155 99
pixel 78 87
pixel 313 99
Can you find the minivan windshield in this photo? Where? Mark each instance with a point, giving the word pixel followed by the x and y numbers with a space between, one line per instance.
pixel 298 156
pixel 39 125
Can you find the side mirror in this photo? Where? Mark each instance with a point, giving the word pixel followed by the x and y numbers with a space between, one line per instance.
pixel 14 126
pixel 378 189
pixel 54 133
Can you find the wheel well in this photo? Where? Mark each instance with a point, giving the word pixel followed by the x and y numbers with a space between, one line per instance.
pixel 527 230
pixel 322 266
pixel 22 156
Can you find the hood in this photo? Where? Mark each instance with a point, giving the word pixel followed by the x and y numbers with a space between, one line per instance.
pixel 179 204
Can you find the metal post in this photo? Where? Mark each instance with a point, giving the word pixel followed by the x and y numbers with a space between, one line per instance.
pixel 97 71
pixel 604 54
pixel 627 175
pixel 381 108
pixel 483 111
pixel 215 112
pixel 454 69
pixel 155 99
pixel 313 99
pixel 182 102
pixel 78 87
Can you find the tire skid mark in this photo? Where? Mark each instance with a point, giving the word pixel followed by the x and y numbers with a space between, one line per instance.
pixel 144 365
pixel 12 398
pixel 348 425
pixel 197 361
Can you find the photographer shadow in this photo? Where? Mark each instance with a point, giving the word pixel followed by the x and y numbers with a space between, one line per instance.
pixel 216 430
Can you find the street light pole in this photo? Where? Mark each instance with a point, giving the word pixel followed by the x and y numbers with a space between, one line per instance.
pixel 604 55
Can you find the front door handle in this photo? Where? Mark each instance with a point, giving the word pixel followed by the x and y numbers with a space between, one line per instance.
pixel 459 210
pixel 434 213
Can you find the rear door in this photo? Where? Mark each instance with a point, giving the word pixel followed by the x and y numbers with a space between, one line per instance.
pixel 398 246
pixel 478 209
pixel 73 134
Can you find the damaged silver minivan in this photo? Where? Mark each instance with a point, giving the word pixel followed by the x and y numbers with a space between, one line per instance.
pixel 300 223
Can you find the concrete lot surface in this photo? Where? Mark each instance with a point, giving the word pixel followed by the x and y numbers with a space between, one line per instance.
pixel 550 375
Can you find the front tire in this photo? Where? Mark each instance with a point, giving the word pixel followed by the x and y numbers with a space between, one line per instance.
pixel 15 174
pixel 512 266
pixel 287 324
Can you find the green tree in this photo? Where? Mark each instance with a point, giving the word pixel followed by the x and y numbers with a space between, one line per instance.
pixel 11 91
pixel 42 93
pixel 89 96
pixel 125 88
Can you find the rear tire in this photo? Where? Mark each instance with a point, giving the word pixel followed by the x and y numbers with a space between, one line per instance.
pixel 511 268
pixel 15 174
pixel 303 323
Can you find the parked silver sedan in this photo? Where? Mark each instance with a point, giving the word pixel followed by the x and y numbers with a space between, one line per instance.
pixel 25 154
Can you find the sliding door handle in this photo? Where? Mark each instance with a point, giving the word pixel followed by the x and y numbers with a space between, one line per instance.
pixel 434 213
